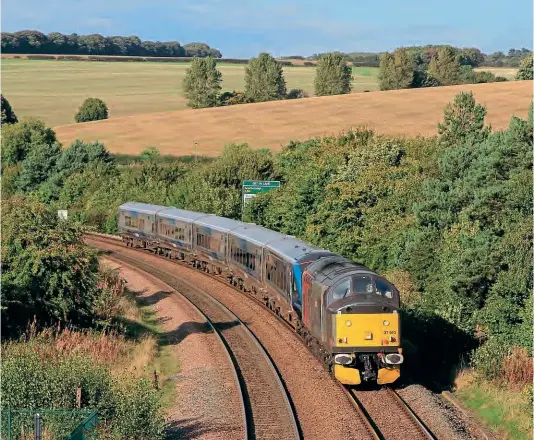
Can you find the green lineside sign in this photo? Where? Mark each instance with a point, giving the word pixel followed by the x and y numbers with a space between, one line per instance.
pixel 251 188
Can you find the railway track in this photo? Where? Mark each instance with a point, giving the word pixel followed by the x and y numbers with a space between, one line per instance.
pixel 389 415
pixel 392 418
pixel 268 411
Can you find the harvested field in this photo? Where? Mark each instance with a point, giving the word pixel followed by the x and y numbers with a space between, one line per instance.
pixel 54 90
pixel 508 72
pixel 273 124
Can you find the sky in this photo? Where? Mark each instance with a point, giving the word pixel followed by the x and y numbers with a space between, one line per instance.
pixel 244 28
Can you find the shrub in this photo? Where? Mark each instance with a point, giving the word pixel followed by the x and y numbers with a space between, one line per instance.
pixel 264 79
pixel 500 79
pixel 92 109
pixel 149 154
pixel 8 115
pixel 525 71
pixel 296 94
pixel 309 64
pixel 202 83
pixel 233 98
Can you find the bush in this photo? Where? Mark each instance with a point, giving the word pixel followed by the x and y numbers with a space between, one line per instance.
pixel 233 98
pixel 296 94
pixel 8 115
pixel 525 71
pixel 35 375
pixel 92 109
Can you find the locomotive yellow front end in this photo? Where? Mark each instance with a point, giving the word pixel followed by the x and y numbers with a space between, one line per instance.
pixel 366 347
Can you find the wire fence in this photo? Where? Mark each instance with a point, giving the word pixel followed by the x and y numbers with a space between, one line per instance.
pixel 47 424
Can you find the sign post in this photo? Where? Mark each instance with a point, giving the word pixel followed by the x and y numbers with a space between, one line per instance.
pixel 251 188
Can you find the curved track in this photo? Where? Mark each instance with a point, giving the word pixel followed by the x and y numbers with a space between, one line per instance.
pixel 398 421
pixel 269 412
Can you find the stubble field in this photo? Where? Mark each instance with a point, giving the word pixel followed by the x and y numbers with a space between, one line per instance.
pixel 53 90
pixel 273 124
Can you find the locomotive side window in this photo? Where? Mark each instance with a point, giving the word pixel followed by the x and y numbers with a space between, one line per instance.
pixel 383 288
pixel 363 285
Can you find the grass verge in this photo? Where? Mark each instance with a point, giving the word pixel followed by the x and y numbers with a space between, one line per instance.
pixel 507 412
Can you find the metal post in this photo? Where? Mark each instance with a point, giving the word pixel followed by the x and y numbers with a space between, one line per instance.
pixel 37 427
pixel 9 423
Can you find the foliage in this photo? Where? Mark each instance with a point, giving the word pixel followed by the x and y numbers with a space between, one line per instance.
pixel 296 94
pixel 333 76
pixel 233 98
pixel 525 71
pixel 397 70
pixel 202 83
pixel 445 66
pixel 464 119
pixel 8 115
pixel 18 139
pixel 38 165
pixel 47 270
pixel 264 79
pixel 34 42
pixel 38 376
pixel 92 109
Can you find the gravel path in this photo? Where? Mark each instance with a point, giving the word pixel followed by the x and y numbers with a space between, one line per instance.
pixel 207 405
pixel 323 410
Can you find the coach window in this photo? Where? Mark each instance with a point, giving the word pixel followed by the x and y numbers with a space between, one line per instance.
pixel 127 221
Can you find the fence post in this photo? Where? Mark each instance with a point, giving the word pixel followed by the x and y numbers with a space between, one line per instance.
pixel 9 423
pixel 37 427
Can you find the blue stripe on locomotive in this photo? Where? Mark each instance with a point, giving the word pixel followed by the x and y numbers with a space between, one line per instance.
pixel 297 273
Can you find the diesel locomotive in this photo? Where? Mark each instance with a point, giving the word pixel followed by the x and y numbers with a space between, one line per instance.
pixel 346 313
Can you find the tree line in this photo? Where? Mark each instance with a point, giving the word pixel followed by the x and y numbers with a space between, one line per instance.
pixel 405 69
pixel 35 42
pixel 264 81
pixel 470 56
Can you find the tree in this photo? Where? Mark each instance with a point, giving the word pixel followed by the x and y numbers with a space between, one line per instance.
pixel 333 76
pixel 47 270
pixel 19 139
pixel 471 56
pixel 463 118
pixel 201 50
pixel 92 109
pixel 264 79
pixel 445 67
pixel 202 83
pixel 397 70
pixel 8 115
pixel 38 166
pixel 525 71
pixel 296 94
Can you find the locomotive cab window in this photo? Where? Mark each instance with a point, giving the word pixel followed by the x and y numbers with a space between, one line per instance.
pixel 383 288
pixel 363 285
pixel 341 291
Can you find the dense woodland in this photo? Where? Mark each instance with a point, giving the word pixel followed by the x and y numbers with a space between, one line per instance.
pixel 35 42
pixel 448 219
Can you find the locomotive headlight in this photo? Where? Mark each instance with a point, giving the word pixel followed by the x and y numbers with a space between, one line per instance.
pixel 386 322
pixel 348 323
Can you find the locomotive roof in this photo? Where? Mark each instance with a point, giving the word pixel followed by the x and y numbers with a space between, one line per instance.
pixel 222 224
pixel 180 214
pixel 143 208
pixel 257 234
pixel 292 248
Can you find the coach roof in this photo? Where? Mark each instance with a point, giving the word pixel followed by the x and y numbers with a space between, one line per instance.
pixel 143 208
pixel 221 224
pixel 292 248
pixel 180 214
pixel 257 234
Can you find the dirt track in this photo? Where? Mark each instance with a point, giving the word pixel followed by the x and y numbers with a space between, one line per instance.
pixel 273 124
